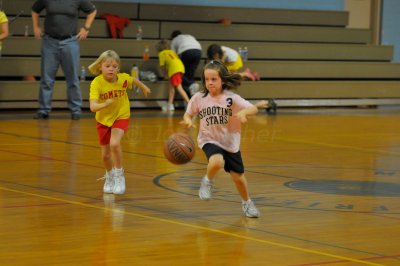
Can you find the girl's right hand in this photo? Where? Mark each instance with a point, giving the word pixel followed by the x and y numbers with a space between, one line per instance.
pixel 187 123
pixel 109 102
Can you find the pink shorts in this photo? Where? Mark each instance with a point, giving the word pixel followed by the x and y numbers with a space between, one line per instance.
pixel 104 132
pixel 176 79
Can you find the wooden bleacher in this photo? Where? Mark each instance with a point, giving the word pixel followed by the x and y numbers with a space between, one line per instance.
pixel 305 58
pixel 130 48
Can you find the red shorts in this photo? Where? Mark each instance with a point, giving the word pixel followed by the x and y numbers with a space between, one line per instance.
pixel 104 132
pixel 176 79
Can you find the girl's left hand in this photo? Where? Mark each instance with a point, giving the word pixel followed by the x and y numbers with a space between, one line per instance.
pixel 146 91
pixel 241 115
pixel 262 104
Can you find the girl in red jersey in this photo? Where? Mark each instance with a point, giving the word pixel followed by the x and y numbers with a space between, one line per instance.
pixel 109 100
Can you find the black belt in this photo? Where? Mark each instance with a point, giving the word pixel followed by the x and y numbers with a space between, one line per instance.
pixel 60 38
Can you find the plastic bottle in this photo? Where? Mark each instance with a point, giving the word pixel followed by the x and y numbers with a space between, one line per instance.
pixel 83 74
pixel 135 74
pixel 26 33
pixel 240 51
pixel 146 53
pixel 139 33
pixel 245 54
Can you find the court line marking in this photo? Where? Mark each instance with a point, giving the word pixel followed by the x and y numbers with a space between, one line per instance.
pixel 271 205
pixel 290 140
pixel 126 201
pixel 282 139
pixel 341 261
pixel 192 226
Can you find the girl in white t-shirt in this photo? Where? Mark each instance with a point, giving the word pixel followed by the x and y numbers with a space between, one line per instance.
pixel 221 113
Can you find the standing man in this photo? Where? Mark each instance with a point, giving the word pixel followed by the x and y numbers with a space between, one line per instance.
pixel 60 47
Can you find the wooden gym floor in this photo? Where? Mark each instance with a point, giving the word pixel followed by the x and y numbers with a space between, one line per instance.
pixel 327 182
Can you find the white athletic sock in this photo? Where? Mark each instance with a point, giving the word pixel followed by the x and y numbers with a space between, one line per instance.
pixel 109 173
pixel 119 170
pixel 246 201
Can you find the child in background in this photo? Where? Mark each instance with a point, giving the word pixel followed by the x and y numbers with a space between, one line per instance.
pixel 189 51
pixel 221 113
pixel 231 59
pixel 174 69
pixel 3 27
pixel 109 100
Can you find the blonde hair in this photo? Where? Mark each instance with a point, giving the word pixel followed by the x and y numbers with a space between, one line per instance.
pixel 162 45
pixel 94 68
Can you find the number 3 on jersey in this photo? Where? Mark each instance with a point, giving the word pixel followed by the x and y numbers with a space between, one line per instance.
pixel 230 102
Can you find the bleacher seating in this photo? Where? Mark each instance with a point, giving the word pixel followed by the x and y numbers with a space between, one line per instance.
pixel 303 57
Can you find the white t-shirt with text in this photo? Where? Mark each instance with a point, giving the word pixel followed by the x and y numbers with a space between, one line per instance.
pixel 218 123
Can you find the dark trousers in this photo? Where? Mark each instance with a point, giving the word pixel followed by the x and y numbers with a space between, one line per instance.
pixel 190 59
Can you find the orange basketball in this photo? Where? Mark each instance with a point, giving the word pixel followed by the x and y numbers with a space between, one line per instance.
pixel 179 148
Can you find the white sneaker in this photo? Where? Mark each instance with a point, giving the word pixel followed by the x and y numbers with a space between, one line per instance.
pixel 119 183
pixel 168 107
pixel 193 88
pixel 206 187
pixel 250 210
pixel 108 183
